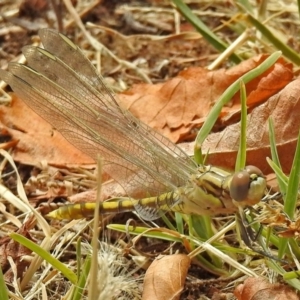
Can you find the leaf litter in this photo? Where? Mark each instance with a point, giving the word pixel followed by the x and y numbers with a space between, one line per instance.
pixel 171 126
pixel 221 142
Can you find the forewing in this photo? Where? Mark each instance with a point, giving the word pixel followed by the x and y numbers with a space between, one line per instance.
pixel 62 86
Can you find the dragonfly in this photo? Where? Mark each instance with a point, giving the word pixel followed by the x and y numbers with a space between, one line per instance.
pixel 61 85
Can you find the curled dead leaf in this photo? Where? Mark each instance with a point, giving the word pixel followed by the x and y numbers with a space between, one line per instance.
pixel 182 103
pixel 165 277
pixel 261 289
pixel 284 108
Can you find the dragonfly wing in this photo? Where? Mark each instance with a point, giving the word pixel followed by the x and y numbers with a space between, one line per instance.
pixel 71 54
pixel 62 86
pixel 153 208
pixel 148 213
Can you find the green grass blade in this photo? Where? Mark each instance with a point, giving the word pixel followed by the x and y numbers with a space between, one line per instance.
pixel 147 232
pixel 168 222
pixel 167 235
pixel 293 185
pixel 279 174
pixel 246 4
pixel 282 179
pixel 46 256
pixel 283 47
pixel 179 223
pixel 274 152
pixel 280 270
pixel 202 226
pixel 78 256
pixel 291 275
pixel 173 236
pixel 295 247
pixel 207 34
pixel 3 287
pixel 225 98
pixel 291 195
pixel 82 281
pixel 241 155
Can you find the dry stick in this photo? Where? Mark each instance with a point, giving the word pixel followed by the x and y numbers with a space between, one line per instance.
pixel 93 292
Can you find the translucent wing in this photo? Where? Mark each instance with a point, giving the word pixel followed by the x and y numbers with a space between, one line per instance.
pixel 62 86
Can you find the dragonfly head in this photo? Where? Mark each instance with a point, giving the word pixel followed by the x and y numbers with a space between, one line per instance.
pixel 248 186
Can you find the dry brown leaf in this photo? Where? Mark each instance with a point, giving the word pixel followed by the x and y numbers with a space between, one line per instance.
pixel 37 139
pixel 284 108
pixel 261 289
pixel 165 277
pixel 14 250
pixel 292 230
pixel 177 104
pixel 182 103
pixel 274 216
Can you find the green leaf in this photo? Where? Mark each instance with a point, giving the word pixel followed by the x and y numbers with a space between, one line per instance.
pixel 46 256
pixel 204 30
pixel 226 97
pixel 3 287
pixel 291 194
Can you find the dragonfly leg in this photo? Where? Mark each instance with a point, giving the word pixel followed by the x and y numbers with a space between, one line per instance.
pixel 249 236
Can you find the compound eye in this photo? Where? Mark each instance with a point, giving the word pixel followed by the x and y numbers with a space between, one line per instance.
pixel 248 183
pixel 254 171
pixel 239 186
